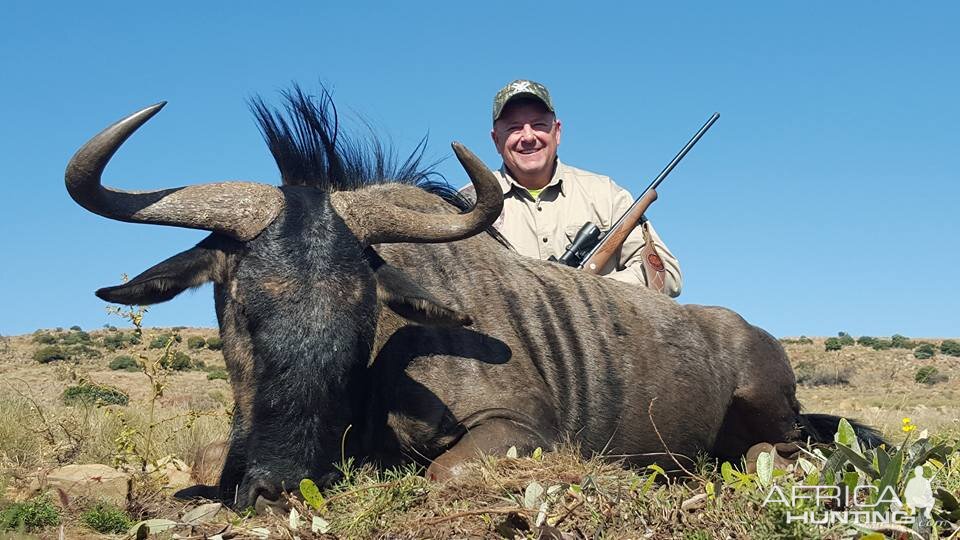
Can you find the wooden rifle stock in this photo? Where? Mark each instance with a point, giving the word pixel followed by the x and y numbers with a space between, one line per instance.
pixel 611 242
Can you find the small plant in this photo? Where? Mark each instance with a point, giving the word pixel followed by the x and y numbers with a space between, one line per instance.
pixel 196 342
pixel 845 339
pixel 950 347
pixel 50 353
pixel 76 328
pixel 125 363
pixel 929 375
pixel 809 374
pixel 82 351
pixel 94 394
pixel 107 519
pixel 866 341
pixel 882 345
pixel 924 351
pixel 833 344
pixel 75 338
pixel 120 340
pixel 214 344
pixel 217 373
pixel 30 515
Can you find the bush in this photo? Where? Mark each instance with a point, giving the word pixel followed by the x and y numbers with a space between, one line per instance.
pixel 50 353
pixel 217 373
pixel 177 361
pixel 901 342
pixel 44 338
pixel 882 344
pixel 845 339
pixel 107 519
pixel 833 344
pixel 82 351
pixel 76 328
pixel 94 394
pixel 196 342
pixel 929 375
pixel 924 351
pixel 161 341
pixel 75 338
pixel 120 340
pixel 30 515
pixel 125 362
pixel 949 347
pixel 214 344
pixel 866 341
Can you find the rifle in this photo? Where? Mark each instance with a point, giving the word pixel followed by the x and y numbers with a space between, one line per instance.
pixel 591 249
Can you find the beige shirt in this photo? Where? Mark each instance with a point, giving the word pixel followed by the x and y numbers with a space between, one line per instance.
pixel 545 226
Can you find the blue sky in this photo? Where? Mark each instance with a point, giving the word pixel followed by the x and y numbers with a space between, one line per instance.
pixel 824 199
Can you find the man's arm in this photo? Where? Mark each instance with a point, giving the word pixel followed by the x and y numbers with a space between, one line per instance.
pixel 629 267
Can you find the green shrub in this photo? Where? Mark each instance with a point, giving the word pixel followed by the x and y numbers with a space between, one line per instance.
pixel 901 342
pixel 882 344
pixel 76 328
pixel 177 361
pixel 924 351
pixel 161 341
pixel 94 394
pixel 44 338
pixel 217 373
pixel 30 515
pixel 107 519
pixel 214 344
pixel 949 347
pixel 50 353
pixel 809 374
pixel 833 344
pixel 845 339
pixel 866 341
pixel 196 342
pixel 75 338
pixel 929 375
pixel 125 362
pixel 120 340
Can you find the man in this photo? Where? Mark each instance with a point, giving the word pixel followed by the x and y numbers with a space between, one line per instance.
pixel 545 201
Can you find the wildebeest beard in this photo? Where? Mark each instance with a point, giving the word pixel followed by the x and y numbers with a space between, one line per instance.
pixel 372 319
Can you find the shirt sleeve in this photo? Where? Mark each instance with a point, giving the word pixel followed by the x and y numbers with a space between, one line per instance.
pixel 629 267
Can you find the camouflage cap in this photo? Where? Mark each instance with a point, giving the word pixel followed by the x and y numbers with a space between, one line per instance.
pixel 520 88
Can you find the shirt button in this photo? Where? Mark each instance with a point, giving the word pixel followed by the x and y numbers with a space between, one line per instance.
pixel 545 239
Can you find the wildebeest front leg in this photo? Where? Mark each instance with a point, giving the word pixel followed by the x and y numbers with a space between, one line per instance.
pixel 494 437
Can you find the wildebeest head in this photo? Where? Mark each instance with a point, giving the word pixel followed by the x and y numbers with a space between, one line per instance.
pixel 297 286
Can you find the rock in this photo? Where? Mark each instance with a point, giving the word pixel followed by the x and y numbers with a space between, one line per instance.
pixel 205 513
pixel 94 482
pixel 694 503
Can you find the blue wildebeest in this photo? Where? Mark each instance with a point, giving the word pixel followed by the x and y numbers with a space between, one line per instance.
pixel 352 297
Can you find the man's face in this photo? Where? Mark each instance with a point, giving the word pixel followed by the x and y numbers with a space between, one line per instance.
pixel 526 136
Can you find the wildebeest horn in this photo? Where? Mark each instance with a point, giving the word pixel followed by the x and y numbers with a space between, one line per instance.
pixel 377 222
pixel 237 209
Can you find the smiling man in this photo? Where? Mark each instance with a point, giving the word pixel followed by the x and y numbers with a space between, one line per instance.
pixel 547 201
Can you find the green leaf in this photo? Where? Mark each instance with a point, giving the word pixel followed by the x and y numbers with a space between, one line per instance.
pixel 311 494
pixel 765 468
pixel 847 436
pixel 711 490
pixel 537 454
pixel 859 462
pixel 533 495
pixel 512 452
pixel 891 477
pixel 726 471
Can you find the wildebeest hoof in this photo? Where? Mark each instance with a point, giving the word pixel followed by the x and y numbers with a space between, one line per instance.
pixel 198 491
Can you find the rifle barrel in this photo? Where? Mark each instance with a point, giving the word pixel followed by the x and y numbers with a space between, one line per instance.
pixel 683 152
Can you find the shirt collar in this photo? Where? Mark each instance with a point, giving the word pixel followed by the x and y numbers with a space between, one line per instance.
pixel 507 182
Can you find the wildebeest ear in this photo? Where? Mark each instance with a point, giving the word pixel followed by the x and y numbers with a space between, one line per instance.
pixel 183 271
pixel 409 300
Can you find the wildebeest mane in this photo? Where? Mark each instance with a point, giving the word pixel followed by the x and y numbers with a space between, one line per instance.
pixel 306 141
